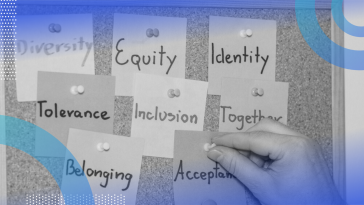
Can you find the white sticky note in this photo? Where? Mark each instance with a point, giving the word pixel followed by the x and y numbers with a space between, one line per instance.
pixel 134 52
pixel 112 172
pixel 240 110
pixel 38 49
pixel 231 55
pixel 156 116
pixel 58 109
pixel 196 178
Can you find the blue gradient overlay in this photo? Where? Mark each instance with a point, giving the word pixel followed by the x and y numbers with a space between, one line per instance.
pixel 317 39
pixel 16 128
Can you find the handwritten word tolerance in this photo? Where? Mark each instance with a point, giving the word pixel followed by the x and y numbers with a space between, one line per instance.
pixel 70 113
pixel 48 49
pixel 146 60
pixel 163 116
pixel 202 175
pixel 248 118
pixel 221 58
pixel 70 170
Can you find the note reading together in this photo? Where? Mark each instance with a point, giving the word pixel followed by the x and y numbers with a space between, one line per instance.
pixel 60 108
pixel 147 44
pixel 241 48
pixel 57 43
pixel 157 113
pixel 197 179
pixel 240 109
pixel 110 169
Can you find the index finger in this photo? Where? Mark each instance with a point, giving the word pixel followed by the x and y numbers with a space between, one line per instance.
pixel 260 142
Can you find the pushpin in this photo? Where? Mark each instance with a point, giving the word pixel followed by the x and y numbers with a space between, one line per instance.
pixel 155 32
pixel 103 146
pixel 57 28
pixel 171 93
pixel 177 92
pixel 208 146
pixel 257 92
pixel 150 32
pixel 100 147
pixel 260 91
pixel 106 146
pixel 51 28
pixel 74 90
pixel 249 32
pixel 243 33
pixel 80 89
pixel 209 202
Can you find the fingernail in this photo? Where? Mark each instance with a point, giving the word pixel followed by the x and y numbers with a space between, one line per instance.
pixel 214 154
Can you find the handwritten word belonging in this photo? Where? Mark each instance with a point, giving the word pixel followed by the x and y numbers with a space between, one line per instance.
pixel 70 170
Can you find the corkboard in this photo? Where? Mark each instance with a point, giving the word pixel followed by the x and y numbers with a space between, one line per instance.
pixel 309 106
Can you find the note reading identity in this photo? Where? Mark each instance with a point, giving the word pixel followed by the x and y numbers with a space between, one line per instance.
pixel 58 109
pixel 111 171
pixel 157 114
pixel 147 44
pixel 58 43
pixel 241 48
pixel 196 178
pixel 240 109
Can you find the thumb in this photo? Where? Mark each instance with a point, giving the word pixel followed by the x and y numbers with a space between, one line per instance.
pixel 238 165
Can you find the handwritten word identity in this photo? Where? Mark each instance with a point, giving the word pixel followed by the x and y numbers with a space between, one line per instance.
pixel 220 57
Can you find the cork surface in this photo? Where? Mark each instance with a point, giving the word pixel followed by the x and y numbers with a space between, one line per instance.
pixel 309 106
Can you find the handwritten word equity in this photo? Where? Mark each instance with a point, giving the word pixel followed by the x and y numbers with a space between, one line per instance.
pixel 70 170
pixel 145 60
pixel 246 57
pixel 26 47
pixel 241 118
pixel 191 175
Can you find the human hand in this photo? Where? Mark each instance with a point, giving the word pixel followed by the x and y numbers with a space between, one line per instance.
pixel 277 164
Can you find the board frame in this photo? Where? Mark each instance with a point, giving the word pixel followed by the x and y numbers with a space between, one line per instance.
pixel 337 75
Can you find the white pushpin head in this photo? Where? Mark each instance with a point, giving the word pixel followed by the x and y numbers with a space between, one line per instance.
pixel 171 93
pixel 177 92
pixel 249 32
pixel 155 32
pixel 243 33
pixel 57 28
pixel 106 146
pixel 103 146
pixel 209 202
pixel 51 28
pixel 257 92
pixel 260 91
pixel 100 147
pixel 208 146
pixel 149 32
pixel 80 89
pixel 74 90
